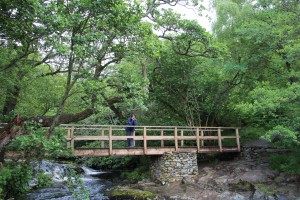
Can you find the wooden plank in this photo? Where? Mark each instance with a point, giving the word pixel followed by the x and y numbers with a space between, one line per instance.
pixel 140 151
pixel 228 137
pixel 191 137
pixel 176 139
pixel 148 127
pixel 220 139
pixel 126 137
pixel 200 137
pixel 162 138
pixel 209 138
pixel 91 138
pixel 159 137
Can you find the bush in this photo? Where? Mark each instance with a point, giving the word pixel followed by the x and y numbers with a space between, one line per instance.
pixel 139 173
pixel 286 163
pixel 281 136
pixel 14 181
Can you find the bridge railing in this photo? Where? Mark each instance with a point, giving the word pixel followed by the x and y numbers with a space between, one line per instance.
pixel 177 138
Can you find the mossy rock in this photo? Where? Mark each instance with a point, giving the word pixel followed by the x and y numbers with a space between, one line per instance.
pixel 129 194
pixel 242 186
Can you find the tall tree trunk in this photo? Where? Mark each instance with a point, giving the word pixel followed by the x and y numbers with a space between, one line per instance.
pixel 11 100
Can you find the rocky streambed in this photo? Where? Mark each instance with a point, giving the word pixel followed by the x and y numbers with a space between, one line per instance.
pixel 237 179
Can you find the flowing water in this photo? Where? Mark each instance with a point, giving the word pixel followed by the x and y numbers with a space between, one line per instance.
pixel 95 181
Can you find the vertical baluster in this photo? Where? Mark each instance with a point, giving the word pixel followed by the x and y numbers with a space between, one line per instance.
pixel 162 144
pixel 102 141
pixel 238 139
pixel 182 141
pixel 110 140
pixel 220 139
pixel 198 140
pixel 202 135
pixel 69 138
pixel 145 140
pixel 176 139
pixel 72 138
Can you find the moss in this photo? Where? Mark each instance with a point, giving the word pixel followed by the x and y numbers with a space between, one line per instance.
pixel 127 193
pixel 279 180
pixel 242 186
pixel 268 189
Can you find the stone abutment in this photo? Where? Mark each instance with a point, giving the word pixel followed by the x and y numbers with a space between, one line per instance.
pixel 172 167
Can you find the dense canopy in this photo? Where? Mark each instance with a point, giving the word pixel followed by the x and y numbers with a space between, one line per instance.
pixel 95 62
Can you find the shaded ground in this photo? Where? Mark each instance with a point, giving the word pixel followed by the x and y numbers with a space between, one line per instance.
pixel 238 179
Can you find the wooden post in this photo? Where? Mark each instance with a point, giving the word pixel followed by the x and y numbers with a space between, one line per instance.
pixel 145 140
pixel 110 140
pixel 176 139
pixel 197 140
pixel 220 139
pixel 133 139
pixel 72 139
pixel 182 141
pixel 202 141
pixel 162 144
pixel 102 142
pixel 238 139
pixel 69 138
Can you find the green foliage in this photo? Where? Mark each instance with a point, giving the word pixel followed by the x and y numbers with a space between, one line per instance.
pixel 140 172
pixel 282 137
pixel 35 145
pixel 137 174
pixel 251 133
pixel 16 176
pixel 261 38
pixel 267 102
pixel 43 180
pixel 128 84
pixel 112 162
pixel 14 180
pixel 288 162
pixel 75 185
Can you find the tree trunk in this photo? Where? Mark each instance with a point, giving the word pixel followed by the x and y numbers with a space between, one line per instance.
pixel 10 131
pixel 11 100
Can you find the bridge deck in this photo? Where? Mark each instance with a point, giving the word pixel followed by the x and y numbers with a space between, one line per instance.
pixel 138 151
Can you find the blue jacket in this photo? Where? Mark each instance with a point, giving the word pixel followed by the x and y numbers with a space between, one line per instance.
pixel 131 122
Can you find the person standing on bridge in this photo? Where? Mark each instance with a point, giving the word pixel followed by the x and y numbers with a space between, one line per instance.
pixel 130 130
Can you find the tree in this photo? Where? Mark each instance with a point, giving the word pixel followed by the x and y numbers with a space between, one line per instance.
pixel 262 39
pixel 79 39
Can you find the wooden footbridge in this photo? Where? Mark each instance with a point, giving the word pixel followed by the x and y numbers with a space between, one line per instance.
pixel 110 140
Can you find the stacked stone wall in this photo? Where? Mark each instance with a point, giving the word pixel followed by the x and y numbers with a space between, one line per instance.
pixel 259 152
pixel 172 167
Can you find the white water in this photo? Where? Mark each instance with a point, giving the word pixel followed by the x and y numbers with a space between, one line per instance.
pixel 91 181
pixel 90 171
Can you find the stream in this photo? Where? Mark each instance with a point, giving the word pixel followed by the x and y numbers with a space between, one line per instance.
pixel 95 181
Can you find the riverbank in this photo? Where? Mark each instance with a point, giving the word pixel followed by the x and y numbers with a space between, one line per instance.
pixel 237 179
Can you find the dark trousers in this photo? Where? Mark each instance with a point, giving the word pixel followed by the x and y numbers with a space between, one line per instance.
pixel 130 140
